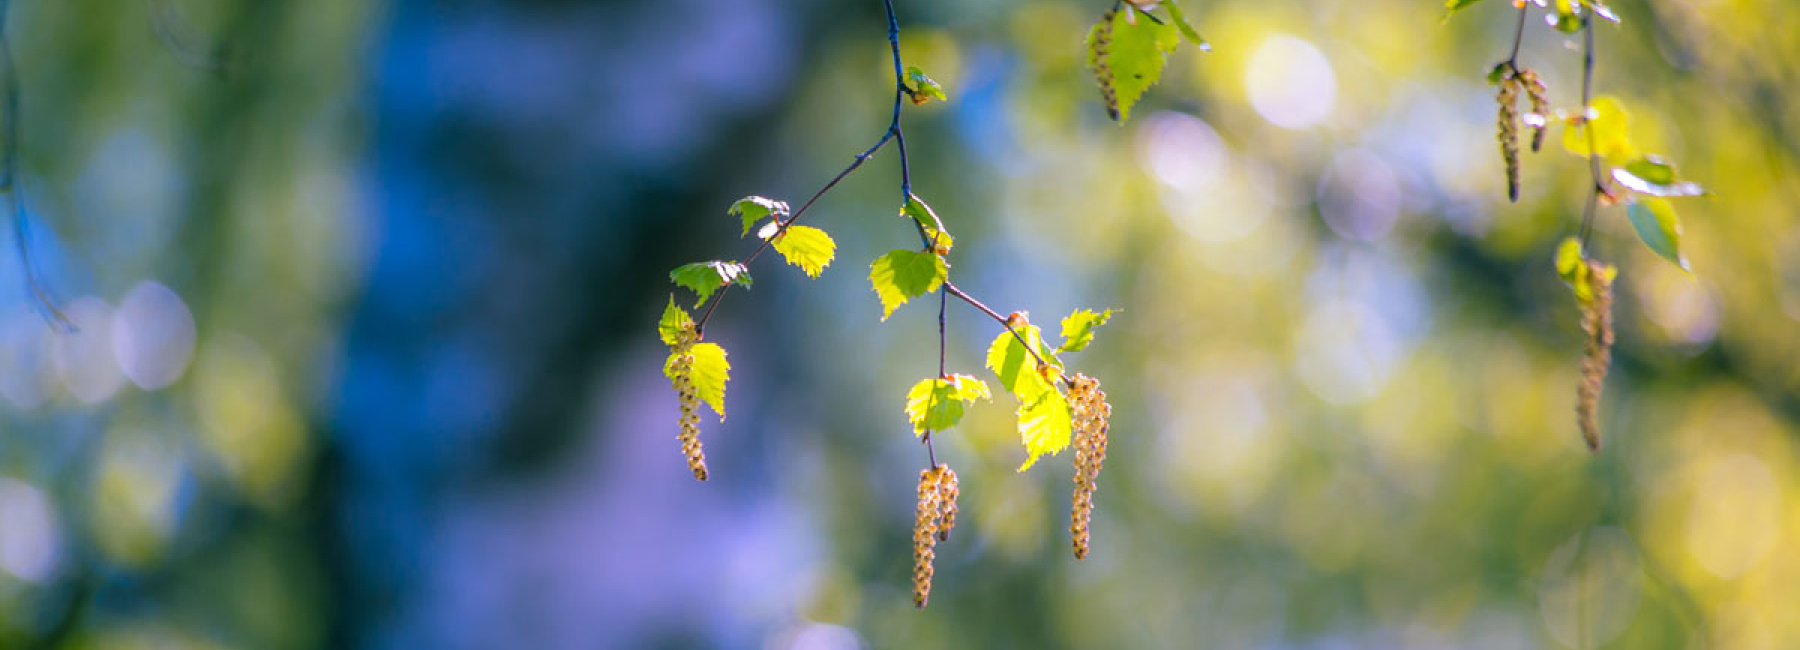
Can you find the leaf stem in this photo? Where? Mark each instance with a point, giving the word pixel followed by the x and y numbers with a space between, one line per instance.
pixel 1512 60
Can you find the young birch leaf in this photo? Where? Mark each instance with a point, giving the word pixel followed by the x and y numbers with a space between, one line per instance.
pixel 937 404
pixel 806 247
pixel 1455 5
pixel 1078 328
pixel 1013 364
pixel 922 88
pixel 1568 260
pixel 1187 30
pixel 710 372
pixel 703 278
pixel 1653 176
pixel 902 275
pixel 1656 224
pixel 927 219
pixel 1128 56
pixel 752 209
pixel 1044 426
pixel 1612 130
pixel 673 320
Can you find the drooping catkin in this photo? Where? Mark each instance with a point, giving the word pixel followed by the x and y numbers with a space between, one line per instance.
pixel 1099 49
pixel 1540 106
pixel 1090 414
pixel 1596 320
pixel 947 493
pixel 925 529
pixel 689 398
pixel 1509 132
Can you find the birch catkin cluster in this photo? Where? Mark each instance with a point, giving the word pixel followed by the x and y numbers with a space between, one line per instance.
pixel 1596 321
pixel 1099 45
pixel 936 516
pixel 1539 119
pixel 1509 131
pixel 1091 413
pixel 688 396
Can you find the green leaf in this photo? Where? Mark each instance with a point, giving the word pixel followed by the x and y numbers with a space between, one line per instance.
pixel 1044 426
pixel 710 372
pixel 1565 19
pixel 754 208
pixel 1457 5
pixel 673 321
pixel 922 87
pixel 1187 30
pixel 937 404
pixel 922 214
pixel 1656 224
pixel 1128 56
pixel 1078 328
pixel 1612 130
pixel 902 275
pixel 1014 365
pixel 703 278
pixel 1654 176
pixel 806 247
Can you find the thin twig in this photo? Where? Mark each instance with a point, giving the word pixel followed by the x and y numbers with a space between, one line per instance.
pixel 1518 37
pixel 1587 109
pixel 10 185
pixel 959 293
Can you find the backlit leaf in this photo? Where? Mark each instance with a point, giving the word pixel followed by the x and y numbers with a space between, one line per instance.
pixel 1014 365
pixel 927 219
pixel 710 372
pixel 703 278
pixel 1187 30
pixel 937 404
pixel 1044 426
pixel 902 275
pixel 806 247
pixel 672 322
pixel 752 209
pixel 922 87
pixel 1078 328
pixel 1129 54
pixel 1612 131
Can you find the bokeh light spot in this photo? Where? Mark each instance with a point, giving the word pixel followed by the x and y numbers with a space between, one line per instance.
pixel 84 358
pixel 1291 84
pixel 153 335
pixel 29 536
pixel 1733 522
pixel 1590 588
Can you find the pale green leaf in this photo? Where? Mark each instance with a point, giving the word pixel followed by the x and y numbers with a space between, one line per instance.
pixel 1653 176
pixel 922 214
pixel 1612 131
pixel 1659 227
pixel 1078 328
pixel 1044 426
pixel 1568 259
pixel 752 209
pixel 673 321
pixel 902 275
pixel 806 247
pixel 1128 55
pixel 710 371
pixel 1014 365
pixel 937 404
pixel 703 278
pixel 1455 5
pixel 922 88
pixel 1187 30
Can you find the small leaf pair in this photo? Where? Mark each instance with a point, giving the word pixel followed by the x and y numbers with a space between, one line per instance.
pixel 698 373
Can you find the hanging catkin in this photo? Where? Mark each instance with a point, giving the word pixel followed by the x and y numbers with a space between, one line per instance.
pixel 689 399
pixel 1596 321
pixel 947 493
pixel 925 536
pixel 1509 132
pixel 1540 106
pixel 1090 414
pixel 1099 50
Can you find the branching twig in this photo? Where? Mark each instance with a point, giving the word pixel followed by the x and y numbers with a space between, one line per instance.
pixel 10 185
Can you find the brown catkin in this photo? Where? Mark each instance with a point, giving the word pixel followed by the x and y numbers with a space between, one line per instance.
pixel 689 399
pixel 1509 132
pixel 1540 106
pixel 925 526
pixel 1099 49
pixel 1596 320
pixel 1090 413
pixel 947 493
